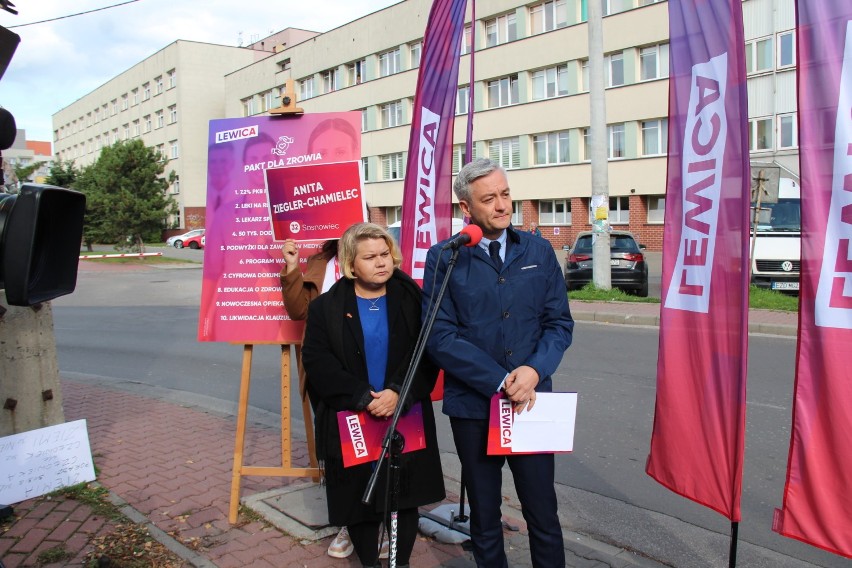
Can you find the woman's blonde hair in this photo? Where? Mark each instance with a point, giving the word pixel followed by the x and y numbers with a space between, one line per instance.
pixel 347 247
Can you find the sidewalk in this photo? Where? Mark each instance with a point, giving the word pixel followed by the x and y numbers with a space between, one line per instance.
pixel 169 467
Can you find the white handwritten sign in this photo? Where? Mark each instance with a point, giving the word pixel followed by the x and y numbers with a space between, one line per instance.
pixel 40 461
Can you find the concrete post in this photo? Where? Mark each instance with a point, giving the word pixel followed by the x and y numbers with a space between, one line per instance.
pixel 601 276
pixel 30 393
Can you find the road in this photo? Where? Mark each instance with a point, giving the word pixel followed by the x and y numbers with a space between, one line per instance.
pixel 140 326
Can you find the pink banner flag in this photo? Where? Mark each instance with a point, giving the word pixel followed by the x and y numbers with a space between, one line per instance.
pixel 427 204
pixel 817 506
pixel 699 421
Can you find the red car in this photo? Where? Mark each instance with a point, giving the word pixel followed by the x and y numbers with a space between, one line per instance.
pixel 194 242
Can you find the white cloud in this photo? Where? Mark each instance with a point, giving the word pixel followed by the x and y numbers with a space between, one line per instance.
pixel 58 62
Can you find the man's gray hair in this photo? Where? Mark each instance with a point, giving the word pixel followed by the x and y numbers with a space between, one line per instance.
pixel 479 167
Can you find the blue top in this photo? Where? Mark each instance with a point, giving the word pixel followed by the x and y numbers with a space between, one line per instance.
pixel 374 324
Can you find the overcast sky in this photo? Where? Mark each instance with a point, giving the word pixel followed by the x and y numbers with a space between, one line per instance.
pixel 58 62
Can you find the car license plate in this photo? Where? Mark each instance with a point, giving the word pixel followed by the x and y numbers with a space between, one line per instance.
pixel 613 262
pixel 785 285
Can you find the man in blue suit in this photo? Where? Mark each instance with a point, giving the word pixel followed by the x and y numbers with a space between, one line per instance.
pixel 503 324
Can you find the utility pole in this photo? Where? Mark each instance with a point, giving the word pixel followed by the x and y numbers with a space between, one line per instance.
pixel 601 275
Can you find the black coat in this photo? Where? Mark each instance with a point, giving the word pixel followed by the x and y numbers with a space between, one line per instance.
pixel 336 369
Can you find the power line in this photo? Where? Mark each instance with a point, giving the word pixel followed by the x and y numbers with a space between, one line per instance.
pixel 73 15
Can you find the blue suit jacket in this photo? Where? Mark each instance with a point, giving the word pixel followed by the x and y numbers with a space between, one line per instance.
pixel 489 322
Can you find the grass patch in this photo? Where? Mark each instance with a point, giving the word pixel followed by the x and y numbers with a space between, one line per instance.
pixel 95 496
pixel 766 299
pixel 53 555
pixel 759 298
pixel 590 293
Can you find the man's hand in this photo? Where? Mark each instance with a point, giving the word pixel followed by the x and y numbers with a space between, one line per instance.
pixel 384 403
pixel 291 255
pixel 520 387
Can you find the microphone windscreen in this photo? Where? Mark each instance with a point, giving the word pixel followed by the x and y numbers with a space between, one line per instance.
pixel 475 234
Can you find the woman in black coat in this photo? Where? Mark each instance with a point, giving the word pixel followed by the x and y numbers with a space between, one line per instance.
pixel 359 340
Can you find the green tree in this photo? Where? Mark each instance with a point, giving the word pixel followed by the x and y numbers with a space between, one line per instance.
pixel 62 174
pixel 24 172
pixel 126 199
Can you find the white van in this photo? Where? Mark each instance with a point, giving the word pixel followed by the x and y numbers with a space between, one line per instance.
pixel 778 248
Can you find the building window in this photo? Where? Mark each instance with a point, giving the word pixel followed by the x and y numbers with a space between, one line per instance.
pixel 615 141
pixel 654 62
pixel 550 82
pixel 158 85
pixel 458 157
pixel 389 63
pixel 306 88
pixel 136 128
pixel 758 54
pixel 356 72
pixel 393 215
pixel 548 16
pixel 161 151
pixel 656 209
pixel 503 91
pixel 176 186
pixel 416 51
pixel 124 101
pixel 788 135
pixel 392 166
pixel 786 49
pixel 146 91
pixel 584 75
pixel 127 131
pixel 391 114
pixel 587 145
pixel 172 79
pixel 172 114
pixel 330 80
pixel 173 149
pixel 554 212
pixel 284 65
pixel 760 134
pixel 135 93
pixel 365 162
pixel 517 213
pixel 465 46
pixel 506 152
pixel 619 210
pixel 655 137
pixel 614 66
pixel 267 100
pixel 114 135
pixel 114 106
pixel 550 148
pixel 364 120
pixel 149 125
pixel 462 98
pixel 501 29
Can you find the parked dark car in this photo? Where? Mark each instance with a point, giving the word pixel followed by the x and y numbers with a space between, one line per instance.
pixel 629 270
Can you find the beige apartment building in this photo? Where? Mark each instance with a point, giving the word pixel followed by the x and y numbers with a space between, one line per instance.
pixel 530 97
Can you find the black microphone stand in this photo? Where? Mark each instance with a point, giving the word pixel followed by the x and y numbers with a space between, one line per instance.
pixel 393 441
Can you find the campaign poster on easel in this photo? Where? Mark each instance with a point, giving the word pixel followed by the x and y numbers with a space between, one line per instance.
pixel 241 299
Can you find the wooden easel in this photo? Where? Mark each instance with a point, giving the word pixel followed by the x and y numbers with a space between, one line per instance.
pixel 288 107
pixel 285 469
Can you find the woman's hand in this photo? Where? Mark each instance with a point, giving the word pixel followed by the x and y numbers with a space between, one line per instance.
pixel 384 403
pixel 291 255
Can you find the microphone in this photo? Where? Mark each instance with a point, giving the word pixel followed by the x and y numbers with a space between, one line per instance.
pixel 469 237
